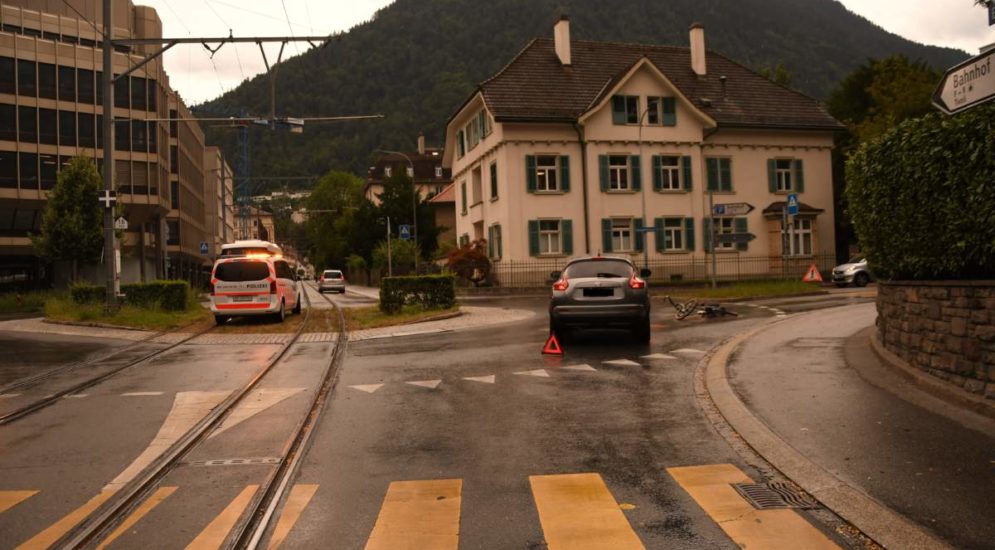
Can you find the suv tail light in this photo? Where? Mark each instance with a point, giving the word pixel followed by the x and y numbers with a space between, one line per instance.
pixel 343 279
pixel 272 287
pixel 636 282
pixel 212 288
pixel 321 279
pixel 562 284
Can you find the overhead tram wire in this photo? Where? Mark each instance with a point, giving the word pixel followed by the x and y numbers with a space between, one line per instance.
pixel 238 58
pixel 289 26
pixel 190 33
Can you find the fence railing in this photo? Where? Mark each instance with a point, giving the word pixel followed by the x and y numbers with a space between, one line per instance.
pixel 728 267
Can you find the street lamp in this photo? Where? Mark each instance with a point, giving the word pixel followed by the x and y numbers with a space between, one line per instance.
pixel 414 200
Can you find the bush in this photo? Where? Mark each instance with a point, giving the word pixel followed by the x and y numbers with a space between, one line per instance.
pixel 922 197
pixel 471 262
pixel 86 293
pixel 427 291
pixel 165 295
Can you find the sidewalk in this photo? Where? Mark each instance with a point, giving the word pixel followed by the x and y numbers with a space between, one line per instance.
pixel 842 423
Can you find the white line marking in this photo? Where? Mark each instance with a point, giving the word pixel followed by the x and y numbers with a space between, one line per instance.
pixel 368 388
pixel 585 367
pixel 6 395
pixel 688 351
pixel 621 363
pixel 141 393
pixel 485 379
pixel 76 396
pixel 538 372
pixel 431 384
pixel 781 315
pixel 256 402
pixel 658 356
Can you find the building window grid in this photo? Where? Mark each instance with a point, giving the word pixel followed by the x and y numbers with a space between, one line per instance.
pixel 622 233
pixel 673 234
pixel 494 182
pixel 724 225
pixel 670 173
pixel 800 237
pixel 550 237
pixel 546 173
pixel 618 173
pixel 782 171
pixel 625 109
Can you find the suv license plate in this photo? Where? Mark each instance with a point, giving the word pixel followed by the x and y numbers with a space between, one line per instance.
pixel 241 298
pixel 599 292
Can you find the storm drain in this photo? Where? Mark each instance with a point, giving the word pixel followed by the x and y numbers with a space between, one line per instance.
pixel 773 496
pixel 237 462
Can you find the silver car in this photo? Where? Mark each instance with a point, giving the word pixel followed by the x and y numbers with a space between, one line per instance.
pixel 332 279
pixel 854 272
pixel 600 292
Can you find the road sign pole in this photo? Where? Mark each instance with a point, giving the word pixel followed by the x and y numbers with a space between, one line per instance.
pixel 108 168
pixel 711 234
pixel 390 262
pixel 784 240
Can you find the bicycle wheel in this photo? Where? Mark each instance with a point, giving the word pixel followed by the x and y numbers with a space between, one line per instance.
pixel 685 309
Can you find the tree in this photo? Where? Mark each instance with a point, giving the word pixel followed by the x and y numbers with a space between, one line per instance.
pixel 331 209
pixel 396 200
pixel 402 256
pixel 73 223
pixel 778 75
pixel 470 261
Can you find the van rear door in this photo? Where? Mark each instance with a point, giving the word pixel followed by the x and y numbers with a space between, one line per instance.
pixel 242 284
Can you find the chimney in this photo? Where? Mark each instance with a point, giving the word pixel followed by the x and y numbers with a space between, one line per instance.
pixel 421 143
pixel 698 49
pixel 561 39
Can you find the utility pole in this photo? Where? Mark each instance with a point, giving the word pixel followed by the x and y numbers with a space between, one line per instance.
pixel 110 244
pixel 390 262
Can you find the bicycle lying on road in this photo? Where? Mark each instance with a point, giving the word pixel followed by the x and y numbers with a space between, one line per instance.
pixel 683 310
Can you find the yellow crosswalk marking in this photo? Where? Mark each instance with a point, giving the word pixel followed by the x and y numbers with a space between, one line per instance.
pixel 215 533
pixel 298 499
pixel 55 531
pixel 710 486
pixel 9 499
pixel 144 508
pixel 418 515
pixel 578 512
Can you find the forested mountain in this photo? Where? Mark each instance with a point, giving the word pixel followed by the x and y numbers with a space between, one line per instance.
pixel 416 61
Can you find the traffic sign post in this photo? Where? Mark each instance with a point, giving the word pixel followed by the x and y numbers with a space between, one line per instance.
pixel 404 232
pixel 203 248
pixel 966 85
pixel 732 209
pixel 792 202
pixel 121 224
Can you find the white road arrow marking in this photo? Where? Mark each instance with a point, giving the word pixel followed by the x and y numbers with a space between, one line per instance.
pixel 368 388
pixel 256 402
pixel 431 384
pixel 141 394
pixel 485 379
pixel 658 356
pixel 688 351
pixel 538 372
pixel 585 368
pixel 621 363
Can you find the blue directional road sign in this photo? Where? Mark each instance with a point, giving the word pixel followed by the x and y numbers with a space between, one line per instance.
pixel 405 232
pixel 203 248
pixel 793 204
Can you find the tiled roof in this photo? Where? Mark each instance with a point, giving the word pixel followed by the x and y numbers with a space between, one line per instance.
pixel 447 195
pixel 535 86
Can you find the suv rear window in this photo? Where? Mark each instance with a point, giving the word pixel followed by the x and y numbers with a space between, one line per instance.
pixel 241 271
pixel 609 269
pixel 333 274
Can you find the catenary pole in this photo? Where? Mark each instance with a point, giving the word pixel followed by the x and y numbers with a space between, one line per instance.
pixel 110 249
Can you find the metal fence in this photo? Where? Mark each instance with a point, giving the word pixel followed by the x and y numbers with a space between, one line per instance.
pixel 728 267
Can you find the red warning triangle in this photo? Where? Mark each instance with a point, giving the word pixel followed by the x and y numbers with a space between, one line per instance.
pixel 812 275
pixel 552 346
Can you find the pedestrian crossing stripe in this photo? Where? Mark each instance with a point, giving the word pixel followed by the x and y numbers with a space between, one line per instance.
pixel 419 514
pixel 578 512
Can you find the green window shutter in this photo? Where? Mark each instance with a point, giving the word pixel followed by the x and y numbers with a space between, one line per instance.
pixel 618 109
pixel 689 234
pixel 490 242
pixel 740 225
pixel 530 173
pixel 772 175
pixel 494 182
pixel 564 173
pixel 725 167
pixel 636 169
pixel 669 111
pixel 799 170
pixel 500 241
pixel 567 226
pixel 462 192
pixel 533 237
pixel 637 225
pixel 603 171
pixel 658 234
pixel 706 232
pixel 657 176
pixel 712 167
pixel 686 173
pixel 606 235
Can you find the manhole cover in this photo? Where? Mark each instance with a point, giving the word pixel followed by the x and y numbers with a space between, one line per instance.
pixel 772 496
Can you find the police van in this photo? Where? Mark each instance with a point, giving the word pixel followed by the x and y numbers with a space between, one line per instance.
pixel 253 278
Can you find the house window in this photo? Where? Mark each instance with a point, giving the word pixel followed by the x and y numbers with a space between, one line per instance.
pixel 622 235
pixel 476 180
pixel 800 232
pixel 464 240
pixel 387 171
pixel 673 234
pixel 494 181
pixel 625 109
pixel 46 81
pixel 618 173
pixel 719 174
pixel 782 172
pixel 661 111
pixel 438 171
pixel 724 225
pixel 549 237
pixel 462 192
pixel 460 144
pixel 670 173
pixel 494 242
pixel 546 179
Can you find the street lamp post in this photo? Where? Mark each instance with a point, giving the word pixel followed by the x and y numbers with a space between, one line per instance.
pixel 642 193
pixel 414 201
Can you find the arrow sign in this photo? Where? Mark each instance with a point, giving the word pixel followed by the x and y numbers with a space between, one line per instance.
pixel 732 209
pixel 736 238
pixel 966 85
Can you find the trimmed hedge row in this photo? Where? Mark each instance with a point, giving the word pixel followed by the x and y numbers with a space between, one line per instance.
pixel 428 291
pixel 166 295
pixel 922 198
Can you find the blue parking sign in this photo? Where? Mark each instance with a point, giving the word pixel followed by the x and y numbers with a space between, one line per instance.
pixel 404 232
pixel 203 248
pixel 793 204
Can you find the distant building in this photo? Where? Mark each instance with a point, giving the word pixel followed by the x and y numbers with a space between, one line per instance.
pixel 429 174
pixel 444 205
pixel 557 153
pixel 219 210
pixel 259 224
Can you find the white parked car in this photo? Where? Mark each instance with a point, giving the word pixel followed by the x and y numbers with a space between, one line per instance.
pixel 854 272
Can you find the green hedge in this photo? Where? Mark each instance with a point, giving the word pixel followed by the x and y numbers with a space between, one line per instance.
pixel 428 291
pixel 165 295
pixel 922 197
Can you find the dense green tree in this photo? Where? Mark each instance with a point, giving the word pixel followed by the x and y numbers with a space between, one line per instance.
pixel 72 227
pixel 331 212
pixel 778 74
pixel 397 201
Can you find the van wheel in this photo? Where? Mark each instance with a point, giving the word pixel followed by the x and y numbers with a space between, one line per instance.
pixel 281 315
pixel 220 320
pixel 297 308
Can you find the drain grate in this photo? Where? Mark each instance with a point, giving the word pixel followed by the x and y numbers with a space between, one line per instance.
pixel 772 496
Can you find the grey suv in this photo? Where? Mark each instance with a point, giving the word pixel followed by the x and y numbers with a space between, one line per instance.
pixel 600 292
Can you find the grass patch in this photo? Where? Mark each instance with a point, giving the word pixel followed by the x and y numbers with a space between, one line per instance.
pixel 740 290
pixel 371 317
pixel 323 320
pixel 24 302
pixel 64 309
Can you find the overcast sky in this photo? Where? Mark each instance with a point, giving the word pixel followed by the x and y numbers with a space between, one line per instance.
pixel 953 23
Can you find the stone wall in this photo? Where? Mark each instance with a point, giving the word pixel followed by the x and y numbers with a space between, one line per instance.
pixel 946 328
